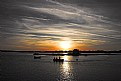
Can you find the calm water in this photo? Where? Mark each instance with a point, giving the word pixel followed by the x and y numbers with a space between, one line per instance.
pixel 23 67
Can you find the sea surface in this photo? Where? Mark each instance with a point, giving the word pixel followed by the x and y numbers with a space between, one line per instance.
pixel 23 67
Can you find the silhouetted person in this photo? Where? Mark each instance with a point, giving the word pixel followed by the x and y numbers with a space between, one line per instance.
pixel 59 57
pixel 56 58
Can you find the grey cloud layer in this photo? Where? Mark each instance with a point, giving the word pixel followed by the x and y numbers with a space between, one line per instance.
pixel 56 20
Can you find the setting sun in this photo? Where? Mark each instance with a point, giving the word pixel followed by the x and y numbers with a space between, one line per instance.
pixel 65 45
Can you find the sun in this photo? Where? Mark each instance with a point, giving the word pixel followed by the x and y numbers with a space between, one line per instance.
pixel 65 45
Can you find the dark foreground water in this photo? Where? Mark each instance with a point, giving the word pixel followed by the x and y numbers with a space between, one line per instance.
pixel 23 67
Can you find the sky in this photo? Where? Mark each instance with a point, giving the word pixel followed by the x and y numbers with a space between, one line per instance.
pixel 60 24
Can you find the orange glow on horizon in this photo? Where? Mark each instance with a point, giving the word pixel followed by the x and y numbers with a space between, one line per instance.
pixel 53 45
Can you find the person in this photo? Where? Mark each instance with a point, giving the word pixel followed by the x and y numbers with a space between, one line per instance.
pixel 59 57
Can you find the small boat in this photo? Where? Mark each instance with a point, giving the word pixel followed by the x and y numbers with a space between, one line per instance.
pixel 36 53
pixel 58 60
pixel 37 57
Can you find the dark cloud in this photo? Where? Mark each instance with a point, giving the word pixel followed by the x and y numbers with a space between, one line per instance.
pixel 55 20
pixel 43 34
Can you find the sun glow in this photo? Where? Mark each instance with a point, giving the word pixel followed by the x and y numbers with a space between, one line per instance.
pixel 65 45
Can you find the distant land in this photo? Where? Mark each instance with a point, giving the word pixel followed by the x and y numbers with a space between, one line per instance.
pixel 90 51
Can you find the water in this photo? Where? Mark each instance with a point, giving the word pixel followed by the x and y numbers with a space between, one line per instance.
pixel 23 67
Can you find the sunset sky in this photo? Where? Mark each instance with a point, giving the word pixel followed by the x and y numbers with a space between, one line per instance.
pixel 60 24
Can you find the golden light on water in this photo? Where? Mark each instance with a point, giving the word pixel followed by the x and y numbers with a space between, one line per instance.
pixel 67 58
pixel 66 70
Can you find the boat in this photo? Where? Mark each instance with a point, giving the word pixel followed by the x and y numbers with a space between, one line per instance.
pixel 37 57
pixel 58 59
pixel 36 53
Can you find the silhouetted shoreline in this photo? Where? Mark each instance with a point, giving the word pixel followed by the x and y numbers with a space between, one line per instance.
pixel 97 51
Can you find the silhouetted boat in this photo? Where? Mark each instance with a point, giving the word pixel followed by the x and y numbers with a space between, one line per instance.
pixel 58 60
pixel 36 53
pixel 36 56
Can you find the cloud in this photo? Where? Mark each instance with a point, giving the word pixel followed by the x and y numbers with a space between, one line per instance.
pixel 51 20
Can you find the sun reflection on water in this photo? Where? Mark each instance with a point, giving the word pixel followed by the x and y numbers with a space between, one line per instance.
pixel 66 70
